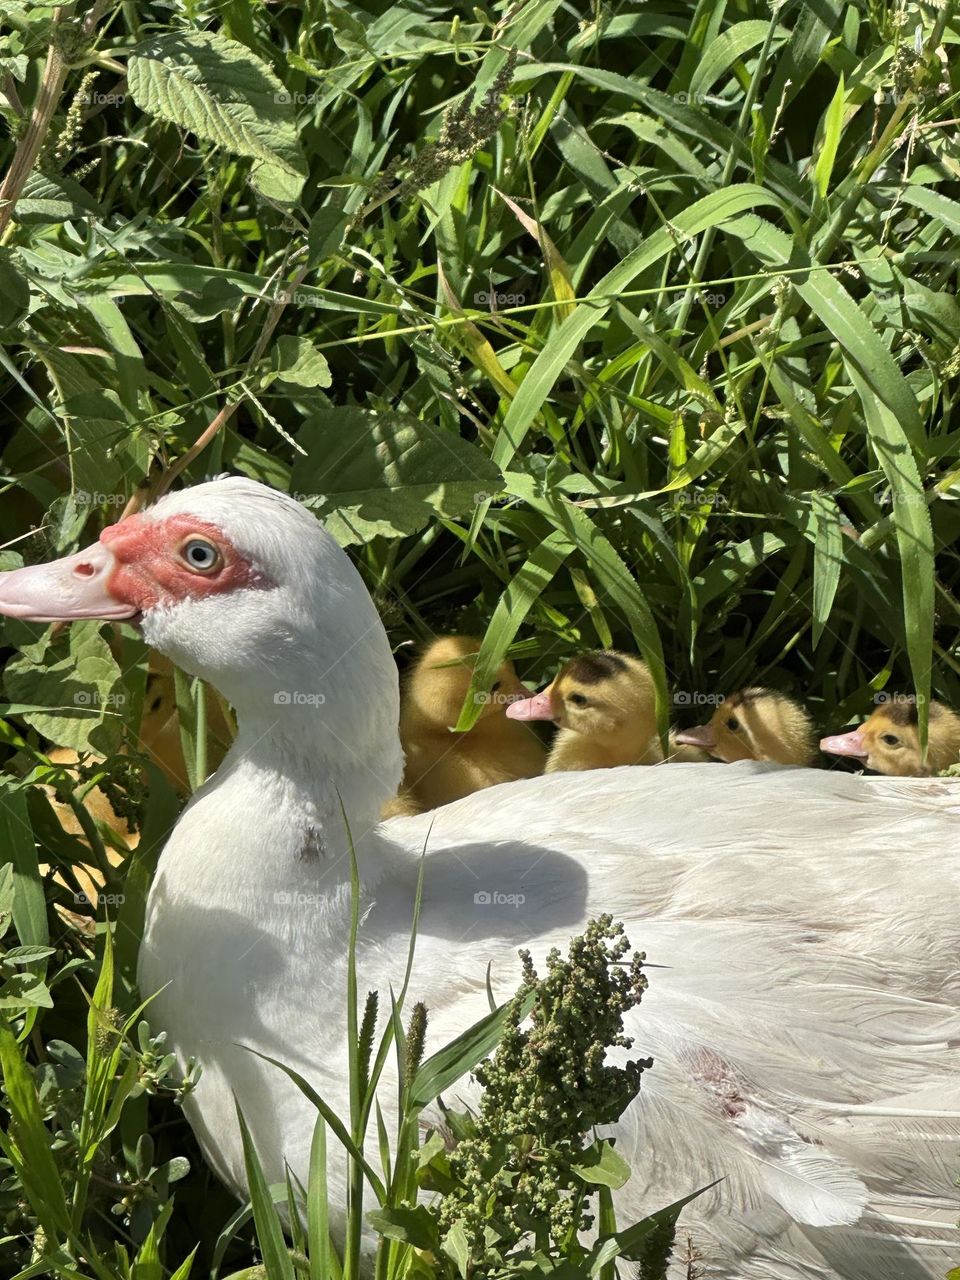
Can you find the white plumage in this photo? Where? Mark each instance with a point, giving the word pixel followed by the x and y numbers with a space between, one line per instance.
pixel 803 1023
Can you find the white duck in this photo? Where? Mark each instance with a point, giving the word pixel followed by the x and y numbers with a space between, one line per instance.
pixel 802 1027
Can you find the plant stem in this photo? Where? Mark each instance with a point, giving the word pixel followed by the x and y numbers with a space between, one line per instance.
pixel 28 148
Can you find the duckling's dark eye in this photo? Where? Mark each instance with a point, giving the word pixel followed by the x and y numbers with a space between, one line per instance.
pixel 890 739
pixel 578 699
pixel 496 687
pixel 733 723
pixel 200 555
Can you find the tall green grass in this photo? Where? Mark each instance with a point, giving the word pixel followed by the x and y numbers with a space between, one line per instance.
pixel 578 325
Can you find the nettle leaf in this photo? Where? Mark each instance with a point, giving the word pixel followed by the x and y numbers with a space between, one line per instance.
pixel 93 423
pixel 387 474
pixel 14 294
pixel 219 90
pixel 49 198
pixel 81 692
pixel 298 362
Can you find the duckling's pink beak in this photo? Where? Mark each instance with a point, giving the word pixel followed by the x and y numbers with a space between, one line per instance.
pixel 701 735
pixel 846 744
pixel 539 707
pixel 77 586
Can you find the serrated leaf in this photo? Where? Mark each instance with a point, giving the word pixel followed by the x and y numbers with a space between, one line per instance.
pixel 219 90
pixel 82 691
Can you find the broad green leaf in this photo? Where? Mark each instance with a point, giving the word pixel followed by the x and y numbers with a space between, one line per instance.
pixel 82 691
pixel 387 474
pixel 225 94
pixel 937 205
pixel 298 362
pixel 602 1166
pixel 414 1226
pixel 18 848
pixel 14 293
pixel 457 1248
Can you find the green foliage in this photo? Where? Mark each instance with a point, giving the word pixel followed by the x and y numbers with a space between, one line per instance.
pixel 522 1172
pixel 578 325
pixel 515 1182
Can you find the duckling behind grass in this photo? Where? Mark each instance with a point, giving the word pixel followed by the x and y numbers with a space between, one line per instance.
pixel 756 724
pixel 888 741
pixel 442 766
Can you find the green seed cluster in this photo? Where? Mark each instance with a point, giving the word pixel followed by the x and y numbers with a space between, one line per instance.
pixel 462 134
pixel 545 1089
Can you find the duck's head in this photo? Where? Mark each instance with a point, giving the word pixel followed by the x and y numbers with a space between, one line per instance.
pixel 241 585
pixel 440 681
pixel 755 724
pixel 888 741
pixel 596 694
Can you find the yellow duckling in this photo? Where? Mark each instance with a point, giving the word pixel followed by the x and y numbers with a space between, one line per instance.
pixel 442 766
pixel 756 724
pixel 604 705
pixel 888 741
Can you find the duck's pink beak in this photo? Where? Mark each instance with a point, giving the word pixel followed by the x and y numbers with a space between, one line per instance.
pixel 539 707
pixel 701 735
pixel 77 586
pixel 846 744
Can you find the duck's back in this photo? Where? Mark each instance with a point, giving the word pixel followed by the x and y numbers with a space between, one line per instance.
pixel 808 927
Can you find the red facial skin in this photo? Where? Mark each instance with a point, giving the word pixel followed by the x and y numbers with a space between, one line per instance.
pixel 150 570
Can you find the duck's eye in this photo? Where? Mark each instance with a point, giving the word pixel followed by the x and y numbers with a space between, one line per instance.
pixel 890 739
pixel 496 687
pixel 200 555
pixel 733 723
pixel 578 699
